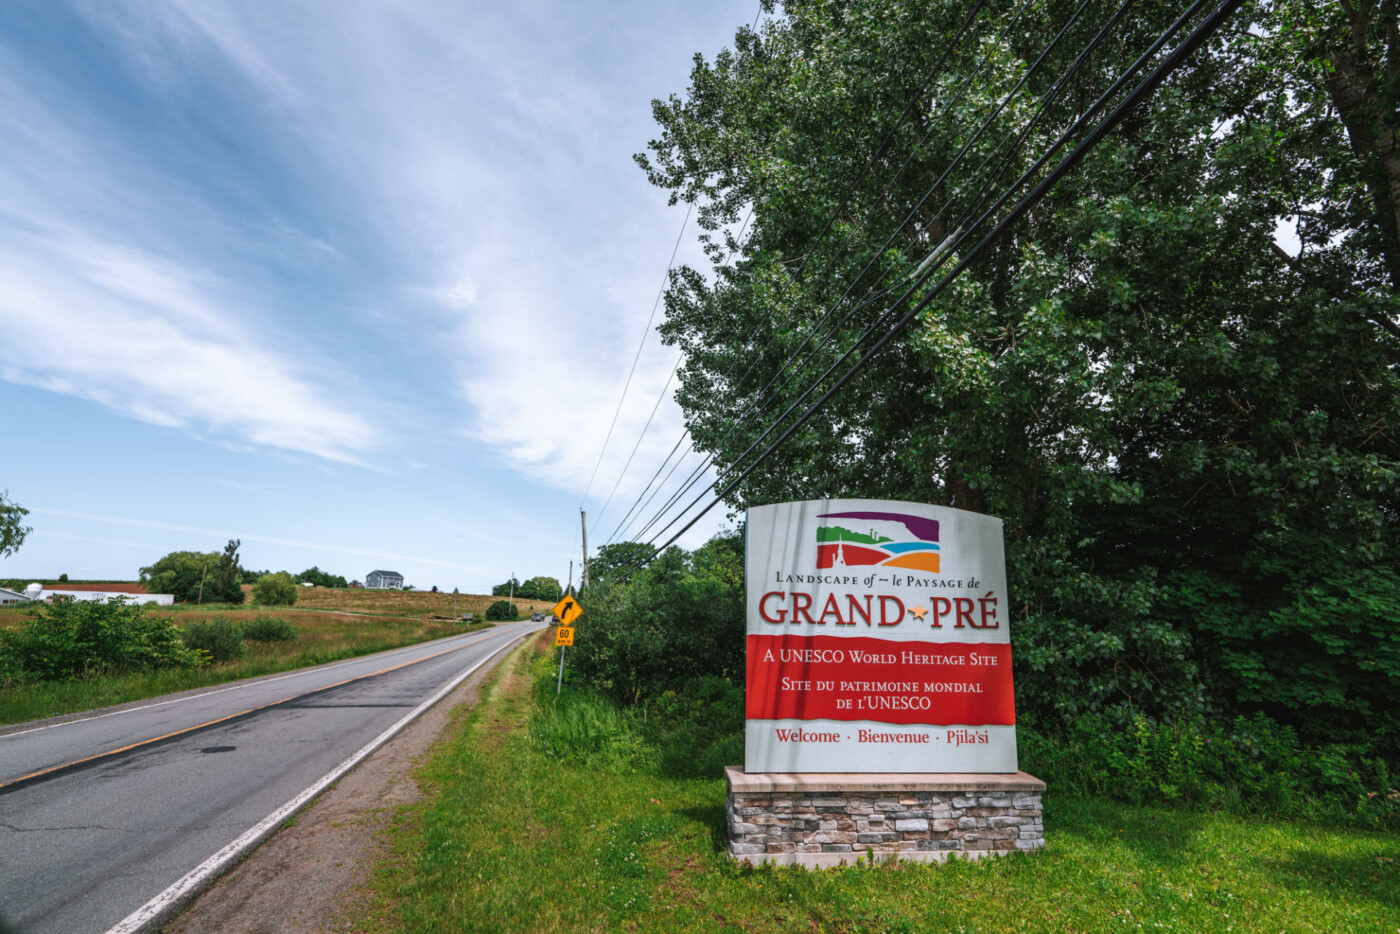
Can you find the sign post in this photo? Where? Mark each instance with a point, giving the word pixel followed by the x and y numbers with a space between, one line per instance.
pixel 566 611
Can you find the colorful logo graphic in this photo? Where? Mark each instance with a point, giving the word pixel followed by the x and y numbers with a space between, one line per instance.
pixel 889 539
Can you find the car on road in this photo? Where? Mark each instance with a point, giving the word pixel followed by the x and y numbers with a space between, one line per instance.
pixel 537 617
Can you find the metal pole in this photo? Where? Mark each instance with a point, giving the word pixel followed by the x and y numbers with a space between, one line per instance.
pixel 560 686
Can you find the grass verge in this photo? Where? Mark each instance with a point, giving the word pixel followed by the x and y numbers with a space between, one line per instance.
pixel 321 638
pixel 511 838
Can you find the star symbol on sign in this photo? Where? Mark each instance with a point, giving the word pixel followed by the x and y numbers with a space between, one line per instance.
pixel 919 612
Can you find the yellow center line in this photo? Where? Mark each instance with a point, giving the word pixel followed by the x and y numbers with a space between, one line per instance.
pixel 241 713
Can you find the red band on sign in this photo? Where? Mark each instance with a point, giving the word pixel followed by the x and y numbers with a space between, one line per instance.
pixel 793 677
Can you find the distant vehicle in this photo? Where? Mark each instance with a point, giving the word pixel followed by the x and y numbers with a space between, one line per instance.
pixel 537 617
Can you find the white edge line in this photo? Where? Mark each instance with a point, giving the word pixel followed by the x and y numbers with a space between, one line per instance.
pixel 234 687
pixel 160 908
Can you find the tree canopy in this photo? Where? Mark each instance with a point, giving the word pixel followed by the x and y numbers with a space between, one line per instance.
pixel 618 562
pixel 536 588
pixel 314 575
pixel 12 528
pixel 192 576
pixel 279 589
pixel 1189 429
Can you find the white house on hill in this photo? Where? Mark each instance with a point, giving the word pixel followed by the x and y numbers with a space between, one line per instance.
pixel 384 580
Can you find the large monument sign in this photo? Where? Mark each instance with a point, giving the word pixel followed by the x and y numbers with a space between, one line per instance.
pixel 878 640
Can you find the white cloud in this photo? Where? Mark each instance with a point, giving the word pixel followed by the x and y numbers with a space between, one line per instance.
pixel 136 333
pixel 494 139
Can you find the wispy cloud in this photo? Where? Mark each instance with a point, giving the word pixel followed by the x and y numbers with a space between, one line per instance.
pixel 132 332
pixel 92 312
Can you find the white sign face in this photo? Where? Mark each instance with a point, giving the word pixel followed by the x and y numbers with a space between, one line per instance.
pixel 878 640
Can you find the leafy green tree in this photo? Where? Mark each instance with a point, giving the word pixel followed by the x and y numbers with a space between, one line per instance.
pixel 1190 431
pixel 616 563
pixel 314 575
pixel 680 618
pixel 12 529
pixel 193 576
pixel 505 590
pixel 180 573
pixel 540 588
pixel 501 610
pixel 227 576
pixel 279 589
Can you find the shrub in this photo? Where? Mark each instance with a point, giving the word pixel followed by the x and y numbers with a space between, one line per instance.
pixel 698 729
pixel 269 629
pixel 501 610
pixel 279 589
pixel 71 639
pixel 1246 763
pixel 219 640
pixel 680 618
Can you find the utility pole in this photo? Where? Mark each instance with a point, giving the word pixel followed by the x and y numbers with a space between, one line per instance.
pixel 454 603
pixel 512 593
pixel 202 572
pixel 571 579
pixel 583 517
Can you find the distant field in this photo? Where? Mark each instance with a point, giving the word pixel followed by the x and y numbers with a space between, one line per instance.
pixel 385 602
pixel 406 603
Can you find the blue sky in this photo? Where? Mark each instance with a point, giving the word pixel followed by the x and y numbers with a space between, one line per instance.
pixel 357 282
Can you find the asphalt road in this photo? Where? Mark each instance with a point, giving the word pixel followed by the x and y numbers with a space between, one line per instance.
pixel 100 815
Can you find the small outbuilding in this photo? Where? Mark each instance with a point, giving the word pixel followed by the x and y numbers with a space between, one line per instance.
pixel 384 580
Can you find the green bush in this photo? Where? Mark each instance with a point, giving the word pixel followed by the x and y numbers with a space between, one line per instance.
pixel 1250 764
pixel 219 640
pixel 501 610
pixel 69 639
pixel 269 629
pixel 279 589
pixel 680 618
pixel 699 729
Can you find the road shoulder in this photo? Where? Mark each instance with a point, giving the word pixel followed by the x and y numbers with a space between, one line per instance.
pixel 311 876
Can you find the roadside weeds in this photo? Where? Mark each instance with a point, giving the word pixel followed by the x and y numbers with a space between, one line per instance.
pixel 507 838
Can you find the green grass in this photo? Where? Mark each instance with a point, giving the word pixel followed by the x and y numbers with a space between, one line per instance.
pixel 321 637
pixel 512 839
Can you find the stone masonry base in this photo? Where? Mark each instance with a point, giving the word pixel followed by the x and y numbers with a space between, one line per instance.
pixel 826 819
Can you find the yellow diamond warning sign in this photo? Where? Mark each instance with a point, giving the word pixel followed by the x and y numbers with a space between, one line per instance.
pixel 564 635
pixel 568 610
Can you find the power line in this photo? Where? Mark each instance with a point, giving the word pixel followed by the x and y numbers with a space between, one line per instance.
pixel 642 343
pixel 941 255
pixel 1169 64
pixel 764 395
pixel 737 241
pixel 914 99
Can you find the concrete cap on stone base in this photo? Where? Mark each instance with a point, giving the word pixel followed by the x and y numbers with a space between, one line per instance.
pixel 741 782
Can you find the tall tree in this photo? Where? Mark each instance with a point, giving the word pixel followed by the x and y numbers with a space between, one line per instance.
pixel 12 529
pixel 1189 429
